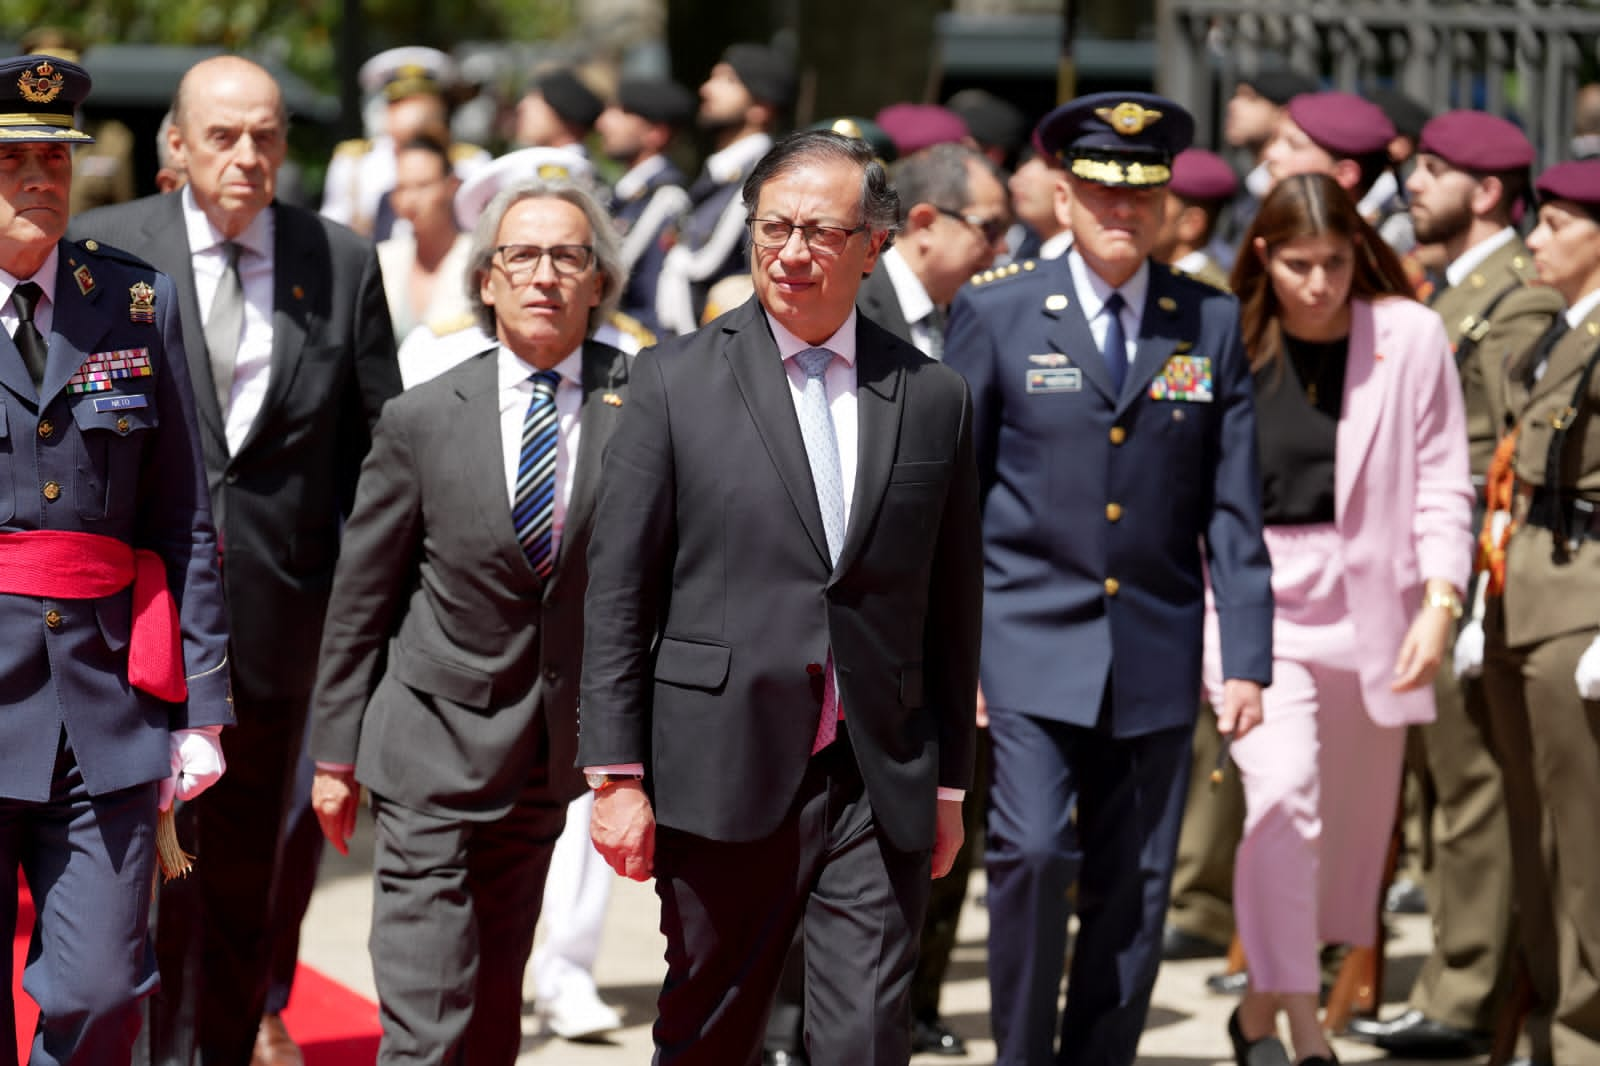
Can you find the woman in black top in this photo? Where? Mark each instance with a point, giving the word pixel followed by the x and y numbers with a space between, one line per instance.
pixel 1367 501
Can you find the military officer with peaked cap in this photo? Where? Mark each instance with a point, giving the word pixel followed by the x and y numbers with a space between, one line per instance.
pixel 113 664
pixel 1115 434
pixel 1467 192
pixel 1542 636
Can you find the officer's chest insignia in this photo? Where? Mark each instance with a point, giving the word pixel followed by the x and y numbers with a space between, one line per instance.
pixel 1063 379
pixel 1185 378
pixel 1049 359
pixel 1055 302
pixel 1167 304
pixel 100 371
pixel 85 280
pixel 143 308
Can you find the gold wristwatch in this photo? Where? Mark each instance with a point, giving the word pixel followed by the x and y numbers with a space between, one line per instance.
pixel 600 781
pixel 1448 600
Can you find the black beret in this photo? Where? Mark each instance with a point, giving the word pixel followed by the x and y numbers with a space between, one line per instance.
pixel 656 100
pixel 1408 115
pixel 1280 85
pixel 991 120
pixel 766 72
pixel 569 98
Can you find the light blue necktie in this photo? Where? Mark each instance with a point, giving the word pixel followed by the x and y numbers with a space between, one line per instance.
pixel 533 504
pixel 1116 346
pixel 822 446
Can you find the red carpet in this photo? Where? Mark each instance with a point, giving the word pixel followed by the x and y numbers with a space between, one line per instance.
pixel 332 1025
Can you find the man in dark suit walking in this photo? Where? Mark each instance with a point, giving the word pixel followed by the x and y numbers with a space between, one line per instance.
pixel 782 633
pixel 288 339
pixel 1115 433
pixel 448 683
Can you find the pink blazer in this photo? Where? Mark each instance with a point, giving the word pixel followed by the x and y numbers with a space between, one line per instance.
pixel 1403 490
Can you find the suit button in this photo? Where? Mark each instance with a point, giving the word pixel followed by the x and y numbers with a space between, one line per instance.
pixel 52 491
pixel 52 618
pixel 552 674
pixel 1112 585
pixel 1118 434
pixel 122 425
pixel 1113 512
pixel 46 428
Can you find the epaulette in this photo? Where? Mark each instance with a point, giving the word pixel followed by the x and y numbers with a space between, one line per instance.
pixel 107 251
pixel 626 323
pixel 1179 272
pixel 1010 270
pixel 443 327
pixel 355 146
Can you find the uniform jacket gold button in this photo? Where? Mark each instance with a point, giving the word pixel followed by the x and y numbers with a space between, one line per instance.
pixel 52 491
pixel 46 427
pixel 52 618
pixel 1118 434
pixel 1113 512
pixel 122 425
pixel 1112 585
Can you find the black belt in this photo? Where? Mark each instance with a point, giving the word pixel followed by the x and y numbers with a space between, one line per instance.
pixel 1570 517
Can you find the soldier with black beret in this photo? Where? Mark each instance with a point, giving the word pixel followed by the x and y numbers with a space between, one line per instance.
pixel 557 111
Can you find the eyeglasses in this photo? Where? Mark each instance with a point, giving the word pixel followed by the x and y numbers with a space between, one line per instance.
pixel 521 261
pixel 774 233
pixel 992 228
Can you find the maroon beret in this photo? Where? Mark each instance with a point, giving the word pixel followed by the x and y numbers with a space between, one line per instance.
pixel 1201 175
pixel 1476 140
pixel 913 127
pixel 1578 181
pixel 1347 126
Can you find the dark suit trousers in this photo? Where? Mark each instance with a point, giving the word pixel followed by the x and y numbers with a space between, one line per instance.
pixel 1069 804
pixel 88 861
pixel 454 905
pixel 729 912
pixel 213 928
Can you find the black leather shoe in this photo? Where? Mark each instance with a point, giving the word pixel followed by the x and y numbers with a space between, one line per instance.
pixel 784 1058
pixel 1177 945
pixel 1268 1051
pixel 1228 984
pixel 1415 1035
pixel 931 1037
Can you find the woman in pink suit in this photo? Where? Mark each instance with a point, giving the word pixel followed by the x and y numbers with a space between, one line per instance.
pixel 1367 502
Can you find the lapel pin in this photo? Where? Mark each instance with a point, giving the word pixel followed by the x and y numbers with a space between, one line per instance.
pixel 1055 302
pixel 92 245
pixel 84 279
pixel 143 308
pixel 1377 357
pixel 1167 304
pixel 299 293
pixel 611 399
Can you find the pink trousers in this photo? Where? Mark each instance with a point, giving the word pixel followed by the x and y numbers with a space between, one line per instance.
pixel 1321 778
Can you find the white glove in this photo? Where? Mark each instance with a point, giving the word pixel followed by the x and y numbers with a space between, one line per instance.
pixel 1469 651
pixel 197 764
pixel 1588 672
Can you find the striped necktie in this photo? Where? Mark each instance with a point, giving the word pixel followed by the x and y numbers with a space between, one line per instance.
pixel 533 505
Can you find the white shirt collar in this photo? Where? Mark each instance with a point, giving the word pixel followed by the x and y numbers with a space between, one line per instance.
pixel 735 161
pixel 514 373
pixel 1093 290
pixel 1193 262
pixel 44 277
pixel 915 304
pixel 1579 312
pixel 1469 260
pixel 842 343
pixel 204 237
pixel 1259 181
pixel 1056 247
pixel 634 181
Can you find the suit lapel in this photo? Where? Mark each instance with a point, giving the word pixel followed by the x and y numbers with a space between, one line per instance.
pixel 1366 388
pixel 483 461
pixel 74 332
pixel 879 400
pixel 300 267
pixel 758 371
pixel 879 302
pixel 1158 336
pixel 605 370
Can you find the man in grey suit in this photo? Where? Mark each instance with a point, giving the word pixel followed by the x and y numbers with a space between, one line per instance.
pixel 781 632
pixel 448 681
pixel 287 334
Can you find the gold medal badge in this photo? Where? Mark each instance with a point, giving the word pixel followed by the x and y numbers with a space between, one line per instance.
pixel 84 279
pixel 144 302
pixel 40 84
pixel 1128 118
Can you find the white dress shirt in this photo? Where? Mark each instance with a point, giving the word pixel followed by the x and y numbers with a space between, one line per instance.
pixel 516 392
pixel 252 370
pixel 915 304
pixel 44 312
pixel 1093 292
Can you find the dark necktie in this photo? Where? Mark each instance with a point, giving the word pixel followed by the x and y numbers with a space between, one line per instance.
pixel 224 325
pixel 1546 345
pixel 533 504
pixel 1116 346
pixel 29 341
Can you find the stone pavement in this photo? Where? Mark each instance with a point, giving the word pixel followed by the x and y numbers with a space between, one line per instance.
pixel 1186 1025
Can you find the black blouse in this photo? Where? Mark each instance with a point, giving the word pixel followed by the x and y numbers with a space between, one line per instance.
pixel 1297 419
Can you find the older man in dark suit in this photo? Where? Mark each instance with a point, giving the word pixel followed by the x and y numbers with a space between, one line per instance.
pixel 288 339
pixel 782 632
pixel 449 676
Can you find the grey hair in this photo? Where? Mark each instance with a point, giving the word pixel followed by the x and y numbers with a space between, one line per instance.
pixel 880 206
pixel 940 175
pixel 603 235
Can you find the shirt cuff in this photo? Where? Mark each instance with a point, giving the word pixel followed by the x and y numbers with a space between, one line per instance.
pixel 628 769
pixel 956 794
pixel 336 767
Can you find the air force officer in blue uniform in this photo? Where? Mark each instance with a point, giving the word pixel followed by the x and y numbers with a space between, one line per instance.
pixel 113 665
pixel 1117 455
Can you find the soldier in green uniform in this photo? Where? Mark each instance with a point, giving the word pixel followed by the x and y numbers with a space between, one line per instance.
pixel 1467 191
pixel 1542 659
